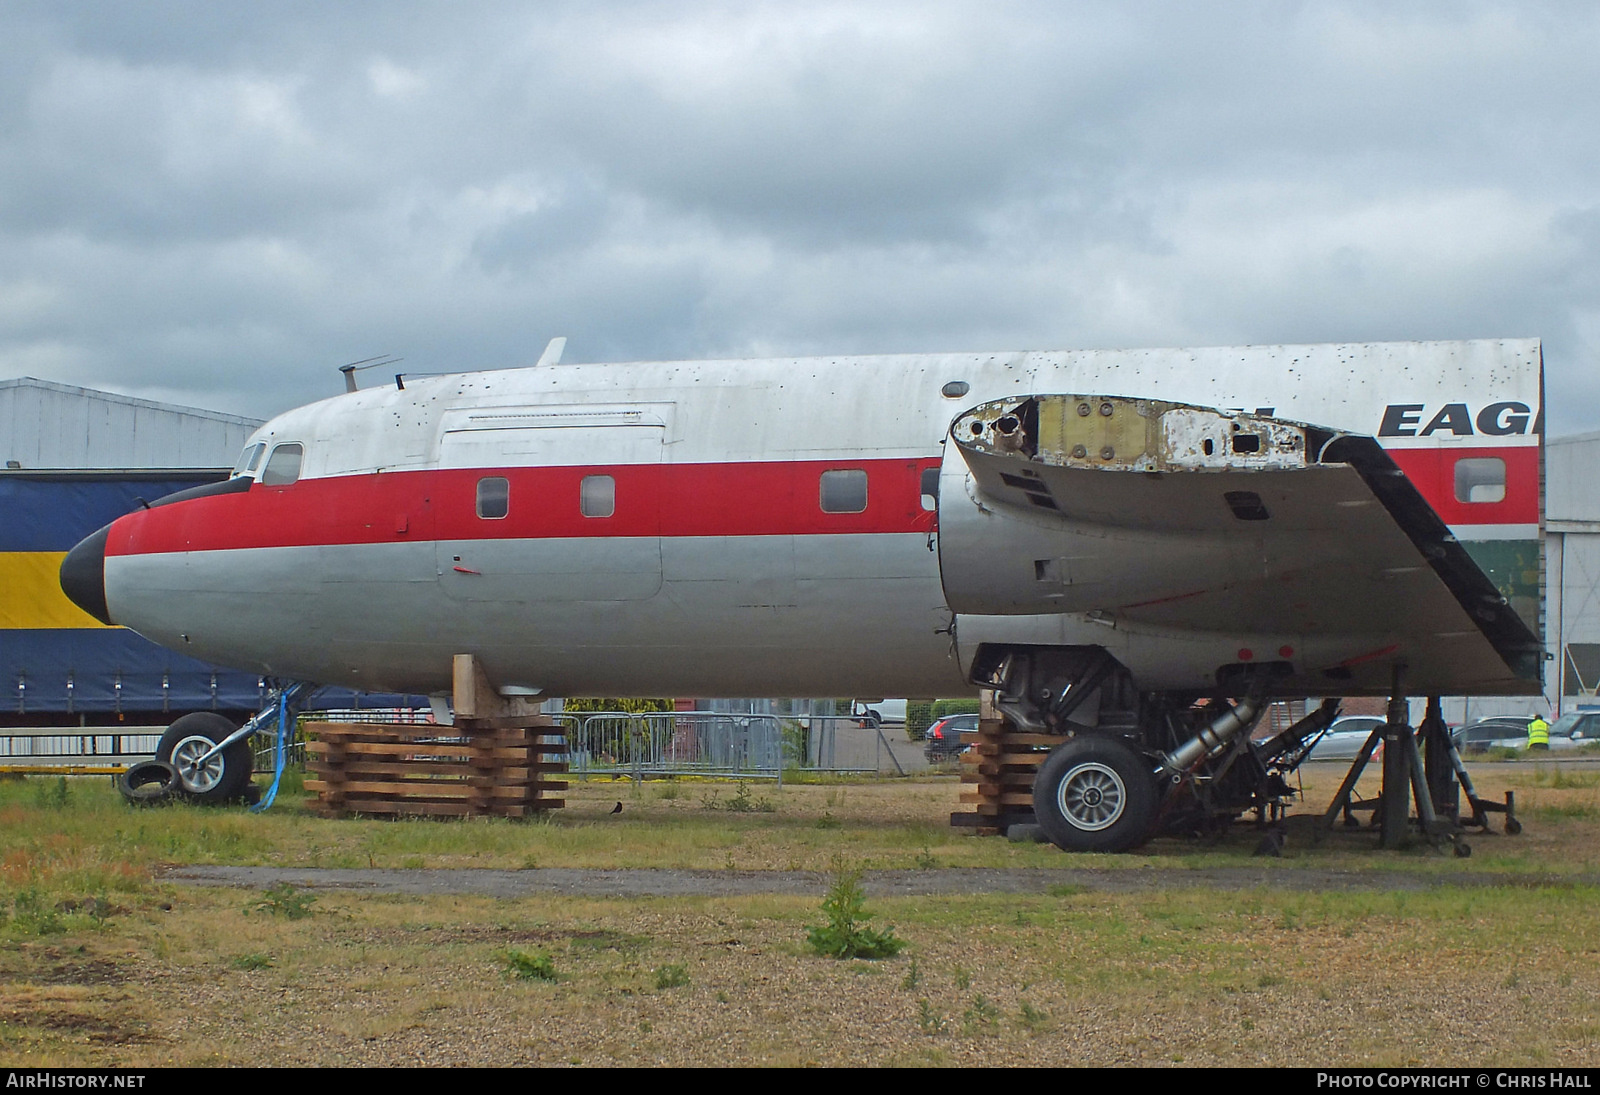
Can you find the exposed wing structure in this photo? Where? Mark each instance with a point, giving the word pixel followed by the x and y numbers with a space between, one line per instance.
pixel 1162 517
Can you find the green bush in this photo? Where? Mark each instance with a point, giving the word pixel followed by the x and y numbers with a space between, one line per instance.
pixel 627 706
pixel 941 708
pixel 846 935
pixel 530 965
pixel 919 716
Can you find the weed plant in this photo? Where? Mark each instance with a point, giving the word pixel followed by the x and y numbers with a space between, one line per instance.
pixel 742 803
pixel 671 976
pixel 53 796
pixel 981 1017
pixel 33 914
pixel 530 965
pixel 1031 1018
pixel 846 935
pixel 285 901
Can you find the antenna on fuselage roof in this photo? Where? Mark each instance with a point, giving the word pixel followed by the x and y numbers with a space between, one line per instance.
pixel 355 367
pixel 552 352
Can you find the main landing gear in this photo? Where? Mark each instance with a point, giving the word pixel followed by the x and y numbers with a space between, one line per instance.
pixel 1132 764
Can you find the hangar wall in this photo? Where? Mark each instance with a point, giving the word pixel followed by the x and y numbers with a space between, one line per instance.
pixel 1571 593
pixel 1572 571
pixel 58 426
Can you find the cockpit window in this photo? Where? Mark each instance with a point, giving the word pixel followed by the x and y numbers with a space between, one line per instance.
pixel 250 459
pixel 283 466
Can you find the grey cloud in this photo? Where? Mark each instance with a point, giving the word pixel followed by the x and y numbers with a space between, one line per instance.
pixel 231 201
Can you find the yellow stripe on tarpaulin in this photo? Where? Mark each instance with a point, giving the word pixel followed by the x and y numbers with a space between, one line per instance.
pixel 30 593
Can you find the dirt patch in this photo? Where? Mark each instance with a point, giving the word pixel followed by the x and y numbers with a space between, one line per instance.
pixel 93 971
pixel 79 1016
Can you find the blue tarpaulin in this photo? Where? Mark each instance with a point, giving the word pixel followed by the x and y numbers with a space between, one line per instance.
pixel 102 670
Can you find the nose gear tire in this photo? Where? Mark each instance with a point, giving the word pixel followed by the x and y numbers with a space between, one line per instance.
pixel 220 779
pixel 1095 794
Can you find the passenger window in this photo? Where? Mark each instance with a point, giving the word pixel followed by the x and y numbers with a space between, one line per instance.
pixel 930 488
pixel 843 491
pixel 597 496
pixel 283 466
pixel 494 498
pixel 249 460
pixel 1481 479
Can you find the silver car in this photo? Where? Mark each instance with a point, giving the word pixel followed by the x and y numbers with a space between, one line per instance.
pixel 1576 728
pixel 1344 739
pixel 1567 732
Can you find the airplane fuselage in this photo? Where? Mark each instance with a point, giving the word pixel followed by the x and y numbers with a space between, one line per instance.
pixel 758 527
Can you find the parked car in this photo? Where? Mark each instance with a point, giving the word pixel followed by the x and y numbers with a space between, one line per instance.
pixel 1344 739
pixel 943 739
pixel 1576 727
pixel 878 712
pixel 1500 732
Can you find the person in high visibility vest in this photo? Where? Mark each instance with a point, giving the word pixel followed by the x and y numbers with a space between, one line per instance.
pixel 1538 733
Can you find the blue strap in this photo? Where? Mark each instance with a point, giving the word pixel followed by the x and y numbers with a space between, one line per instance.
pixel 280 753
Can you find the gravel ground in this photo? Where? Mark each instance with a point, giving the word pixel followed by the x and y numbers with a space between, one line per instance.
pixel 661 882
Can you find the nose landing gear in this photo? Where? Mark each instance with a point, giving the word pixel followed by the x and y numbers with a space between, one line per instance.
pixel 218 778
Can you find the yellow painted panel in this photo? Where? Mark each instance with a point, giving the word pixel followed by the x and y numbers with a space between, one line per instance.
pixel 30 593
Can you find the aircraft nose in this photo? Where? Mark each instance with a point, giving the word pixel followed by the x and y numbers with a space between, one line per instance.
pixel 83 575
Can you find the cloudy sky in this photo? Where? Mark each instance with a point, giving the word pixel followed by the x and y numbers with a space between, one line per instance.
pixel 218 204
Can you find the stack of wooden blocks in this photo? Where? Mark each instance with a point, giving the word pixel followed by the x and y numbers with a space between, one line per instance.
pixel 471 769
pixel 997 772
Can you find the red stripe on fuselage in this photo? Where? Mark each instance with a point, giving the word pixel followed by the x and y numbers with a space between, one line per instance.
pixel 750 499
pixel 1433 472
pixel 733 499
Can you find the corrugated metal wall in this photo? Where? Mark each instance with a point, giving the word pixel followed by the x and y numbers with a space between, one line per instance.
pixel 47 425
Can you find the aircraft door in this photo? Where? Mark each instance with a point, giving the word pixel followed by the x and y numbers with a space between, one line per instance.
pixel 551 506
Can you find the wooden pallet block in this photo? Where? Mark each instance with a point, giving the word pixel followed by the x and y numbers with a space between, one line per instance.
pixel 998 770
pixel 497 766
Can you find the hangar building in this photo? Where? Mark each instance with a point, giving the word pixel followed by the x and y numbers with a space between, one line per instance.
pixel 1572 571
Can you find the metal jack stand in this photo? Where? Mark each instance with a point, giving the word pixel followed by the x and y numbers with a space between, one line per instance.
pixel 1343 800
pixel 1481 809
pixel 1432 785
pixel 1434 827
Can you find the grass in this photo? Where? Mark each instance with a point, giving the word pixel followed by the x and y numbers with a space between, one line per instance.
pixel 901 824
pixel 102 963
pixel 381 979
